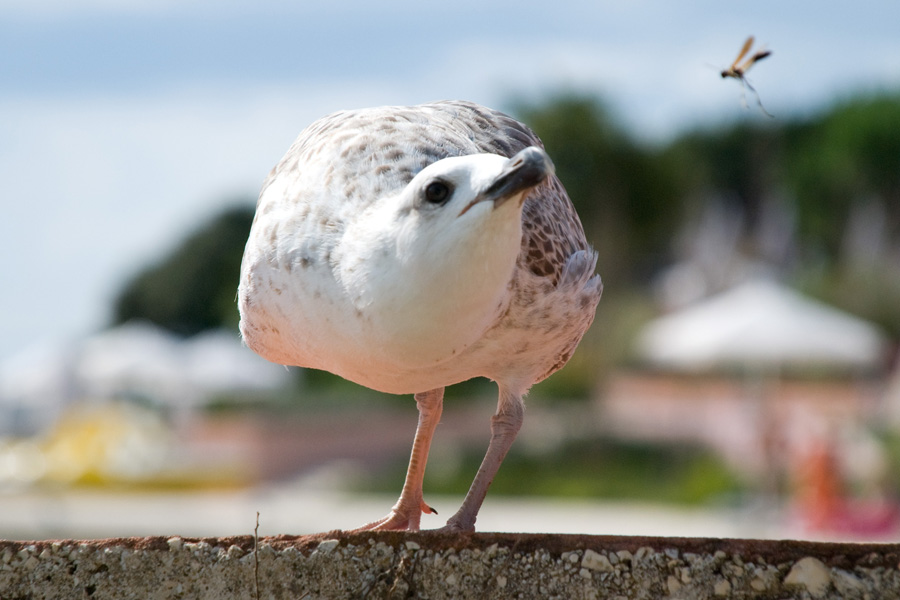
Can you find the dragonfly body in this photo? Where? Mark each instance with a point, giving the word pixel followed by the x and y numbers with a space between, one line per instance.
pixel 738 69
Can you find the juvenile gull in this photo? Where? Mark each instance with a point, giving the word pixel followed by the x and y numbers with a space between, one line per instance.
pixel 408 248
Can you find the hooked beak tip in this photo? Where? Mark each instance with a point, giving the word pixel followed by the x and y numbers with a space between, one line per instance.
pixel 527 169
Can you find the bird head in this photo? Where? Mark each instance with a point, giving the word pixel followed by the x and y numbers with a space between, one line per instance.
pixel 462 198
pixel 446 244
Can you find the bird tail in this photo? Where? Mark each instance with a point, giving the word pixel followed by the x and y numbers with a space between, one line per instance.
pixel 579 273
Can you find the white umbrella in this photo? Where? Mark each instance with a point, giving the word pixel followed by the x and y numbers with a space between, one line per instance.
pixel 40 375
pixel 761 325
pixel 134 358
pixel 217 361
pixel 143 359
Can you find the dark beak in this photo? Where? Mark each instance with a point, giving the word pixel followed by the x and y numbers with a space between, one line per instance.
pixel 523 171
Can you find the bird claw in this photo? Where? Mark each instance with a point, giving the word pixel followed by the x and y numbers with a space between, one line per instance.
pixel 454 527
pixel 399 519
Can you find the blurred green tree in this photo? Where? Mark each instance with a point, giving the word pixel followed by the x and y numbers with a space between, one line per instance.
pixel 839 160
pixel 736 162
pixel 193 288
pixel 628 199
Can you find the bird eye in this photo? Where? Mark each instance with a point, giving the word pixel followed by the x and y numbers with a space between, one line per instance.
pixel 437 192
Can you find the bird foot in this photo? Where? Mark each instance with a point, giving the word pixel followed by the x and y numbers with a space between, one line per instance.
pixel 454 529
pixel 401 518
pixel 454 526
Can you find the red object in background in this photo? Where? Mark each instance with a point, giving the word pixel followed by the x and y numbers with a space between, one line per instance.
pixel 824 506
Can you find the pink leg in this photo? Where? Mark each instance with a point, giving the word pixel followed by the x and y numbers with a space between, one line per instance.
pixel 505 426
pixel 407 513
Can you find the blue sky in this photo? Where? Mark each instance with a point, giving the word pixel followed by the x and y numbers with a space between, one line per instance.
pixel 123 124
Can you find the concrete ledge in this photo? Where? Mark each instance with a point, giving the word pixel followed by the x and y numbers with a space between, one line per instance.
pixel 433 565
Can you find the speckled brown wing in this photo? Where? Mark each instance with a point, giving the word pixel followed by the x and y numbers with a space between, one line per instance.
pixel 551 229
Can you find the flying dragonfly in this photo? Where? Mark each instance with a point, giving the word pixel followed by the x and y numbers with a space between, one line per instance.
pixel 738 69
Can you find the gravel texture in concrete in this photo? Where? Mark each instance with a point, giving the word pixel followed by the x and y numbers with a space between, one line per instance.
pixel 435 565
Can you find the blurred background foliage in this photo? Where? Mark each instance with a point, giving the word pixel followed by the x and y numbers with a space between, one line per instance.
pixel 193 288
pixel 605 468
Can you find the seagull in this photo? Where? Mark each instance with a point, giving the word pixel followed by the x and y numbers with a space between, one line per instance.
pixel 408 248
